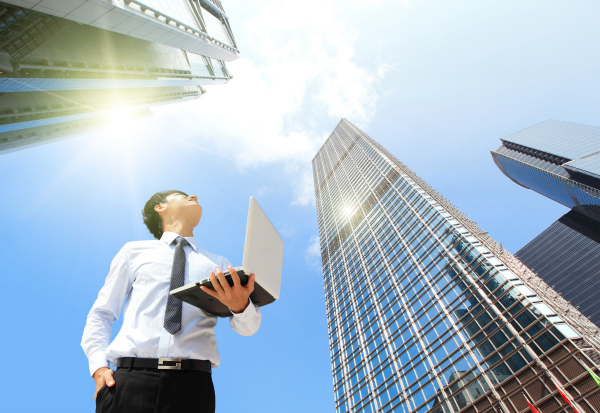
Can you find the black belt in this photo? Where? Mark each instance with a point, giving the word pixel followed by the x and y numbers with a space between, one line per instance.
pixel 164 363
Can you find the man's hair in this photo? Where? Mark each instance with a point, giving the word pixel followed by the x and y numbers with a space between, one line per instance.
pixel 151 218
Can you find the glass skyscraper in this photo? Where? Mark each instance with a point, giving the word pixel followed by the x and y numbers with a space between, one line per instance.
pixel 561 160
pixel 65 66
pixel 425 311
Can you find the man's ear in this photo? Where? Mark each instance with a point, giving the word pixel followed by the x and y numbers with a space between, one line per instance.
pixel 160 208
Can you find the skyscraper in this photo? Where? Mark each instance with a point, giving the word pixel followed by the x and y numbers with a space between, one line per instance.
pixel 66 65
pixel 561 161
pixel 425 311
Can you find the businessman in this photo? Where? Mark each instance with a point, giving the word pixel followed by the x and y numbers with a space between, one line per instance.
pixel 166 349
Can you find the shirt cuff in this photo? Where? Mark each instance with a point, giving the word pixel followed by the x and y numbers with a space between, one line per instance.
pixel 250 311
pixel 98 360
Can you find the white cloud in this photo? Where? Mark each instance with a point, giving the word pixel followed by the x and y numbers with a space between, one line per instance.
pixel 384 68
pixel 263 190
pixel 296 79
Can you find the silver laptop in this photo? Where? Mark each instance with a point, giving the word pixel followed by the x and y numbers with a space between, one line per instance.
pixel 263 256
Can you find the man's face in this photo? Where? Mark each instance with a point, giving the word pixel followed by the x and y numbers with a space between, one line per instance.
pixel 183 206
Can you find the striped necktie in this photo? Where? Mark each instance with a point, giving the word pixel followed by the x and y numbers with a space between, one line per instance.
pixel 173 312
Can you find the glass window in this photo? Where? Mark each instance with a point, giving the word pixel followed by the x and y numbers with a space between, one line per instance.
pixel 547 340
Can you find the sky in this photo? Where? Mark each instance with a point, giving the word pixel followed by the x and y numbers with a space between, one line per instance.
pixel 437 83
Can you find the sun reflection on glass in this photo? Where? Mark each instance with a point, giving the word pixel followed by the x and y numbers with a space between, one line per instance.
pixel 347 211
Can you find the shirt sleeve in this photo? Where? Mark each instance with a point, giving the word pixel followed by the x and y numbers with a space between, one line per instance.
pixel 106 310
pixel 247 322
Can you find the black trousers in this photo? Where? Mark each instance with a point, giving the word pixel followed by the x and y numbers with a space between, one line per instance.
pixel 157 391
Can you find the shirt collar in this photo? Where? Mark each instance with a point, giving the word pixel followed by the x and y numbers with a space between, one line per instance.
pixel 169 237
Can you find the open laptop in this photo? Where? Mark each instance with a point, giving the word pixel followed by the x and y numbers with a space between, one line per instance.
pixel 263 257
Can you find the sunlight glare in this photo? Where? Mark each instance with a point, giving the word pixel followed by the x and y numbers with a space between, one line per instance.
pixel 121 123
pixel 347 211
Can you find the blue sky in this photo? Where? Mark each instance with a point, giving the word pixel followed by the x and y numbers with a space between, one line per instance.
pixel 437 83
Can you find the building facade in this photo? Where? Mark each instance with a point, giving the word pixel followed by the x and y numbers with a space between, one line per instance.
pixel 566 256
pixel 425 311
pixel 561 160
pixel 72 63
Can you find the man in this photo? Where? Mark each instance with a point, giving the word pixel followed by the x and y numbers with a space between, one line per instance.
pixel 158 328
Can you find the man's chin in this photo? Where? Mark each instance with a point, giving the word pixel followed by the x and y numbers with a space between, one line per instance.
pixel 199 216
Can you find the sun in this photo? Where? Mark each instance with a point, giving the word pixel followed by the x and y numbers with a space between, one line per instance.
pixel 121 122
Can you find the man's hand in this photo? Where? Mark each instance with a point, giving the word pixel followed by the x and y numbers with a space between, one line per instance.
pixel 103 376
pixel 236 297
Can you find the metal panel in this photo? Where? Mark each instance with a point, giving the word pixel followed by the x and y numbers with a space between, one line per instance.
pixel 567 256
pixel 588 165
pixel 568 192
pixel 564 139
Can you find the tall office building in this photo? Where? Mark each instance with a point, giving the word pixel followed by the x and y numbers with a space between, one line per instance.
pixel 561 161
pixel 65 66
pixel 425 311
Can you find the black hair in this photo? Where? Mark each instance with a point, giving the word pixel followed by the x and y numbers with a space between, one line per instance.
pixel 151 218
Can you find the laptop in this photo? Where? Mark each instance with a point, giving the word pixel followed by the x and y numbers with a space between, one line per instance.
pixel 263 257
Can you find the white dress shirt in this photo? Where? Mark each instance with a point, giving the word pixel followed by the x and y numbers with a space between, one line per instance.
pixel 140 277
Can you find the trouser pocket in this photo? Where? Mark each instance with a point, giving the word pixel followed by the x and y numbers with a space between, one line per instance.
pixel 99 397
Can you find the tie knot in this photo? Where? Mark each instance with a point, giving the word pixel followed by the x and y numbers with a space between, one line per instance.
pixel 181 240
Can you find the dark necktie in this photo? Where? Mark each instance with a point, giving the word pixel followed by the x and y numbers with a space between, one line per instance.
pixel 173 312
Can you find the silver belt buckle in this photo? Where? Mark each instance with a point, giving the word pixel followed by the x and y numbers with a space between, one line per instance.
pixel 162 366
